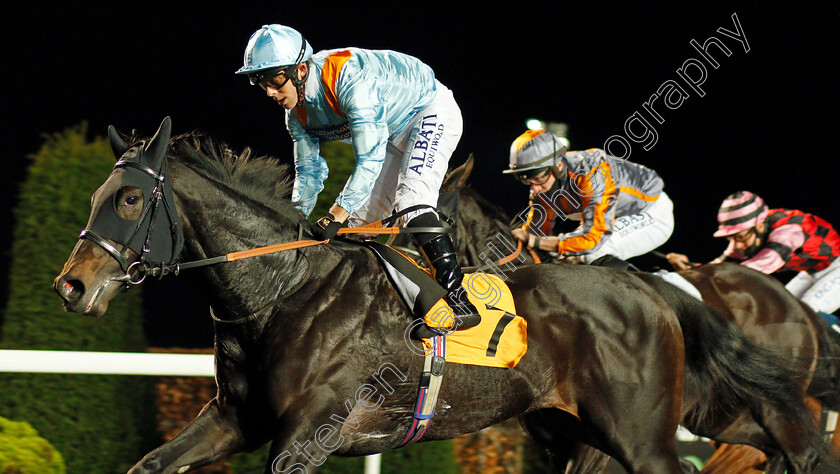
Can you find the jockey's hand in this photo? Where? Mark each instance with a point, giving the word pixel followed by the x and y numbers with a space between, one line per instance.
pixel 520 234
pixel 572 259
pixel 339 213
pixel 327 227
pixel 679 261
pixel 545 243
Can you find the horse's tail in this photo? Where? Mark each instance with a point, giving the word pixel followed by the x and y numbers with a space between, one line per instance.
pixel 825 385
pixel 726 372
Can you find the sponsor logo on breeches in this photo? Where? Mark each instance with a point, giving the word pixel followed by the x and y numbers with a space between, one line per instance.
pixel 627 224
pixel 423 153
pixel 829 287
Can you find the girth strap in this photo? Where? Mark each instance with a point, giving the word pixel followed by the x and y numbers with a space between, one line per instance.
pixel 427 396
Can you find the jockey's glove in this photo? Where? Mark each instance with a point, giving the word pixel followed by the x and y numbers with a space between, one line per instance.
pixel 327 227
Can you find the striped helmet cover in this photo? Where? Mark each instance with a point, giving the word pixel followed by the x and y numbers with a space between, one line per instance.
pixel 740 211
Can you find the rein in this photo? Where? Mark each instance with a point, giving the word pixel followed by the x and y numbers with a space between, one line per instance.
pixel 505 260
pixel 149 263
pixel 501 262
pixel 175 268
pixel 381 227
pixel 516 253
pixel 659 254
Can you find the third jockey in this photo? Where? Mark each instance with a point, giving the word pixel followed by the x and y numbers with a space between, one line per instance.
pixel 770 240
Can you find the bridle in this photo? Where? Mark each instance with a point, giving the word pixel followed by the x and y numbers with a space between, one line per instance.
pixel 151 207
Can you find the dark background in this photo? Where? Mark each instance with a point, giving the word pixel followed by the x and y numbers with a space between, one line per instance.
pixel 766 123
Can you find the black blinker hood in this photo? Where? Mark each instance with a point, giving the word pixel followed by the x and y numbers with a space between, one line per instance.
pixel 156 234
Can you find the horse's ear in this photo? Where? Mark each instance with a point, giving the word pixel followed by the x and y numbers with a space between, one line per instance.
pixel 118 145
pixel 457 178
pixel 468 167
pixel 160 142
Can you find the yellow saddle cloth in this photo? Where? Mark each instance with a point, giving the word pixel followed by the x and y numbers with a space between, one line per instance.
pixel 500 340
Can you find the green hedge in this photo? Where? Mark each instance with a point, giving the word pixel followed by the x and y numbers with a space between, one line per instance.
pixel 23 451
pixel 94 421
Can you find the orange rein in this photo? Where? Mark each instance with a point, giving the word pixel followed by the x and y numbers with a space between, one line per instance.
pixel 373 228
pixel 516 253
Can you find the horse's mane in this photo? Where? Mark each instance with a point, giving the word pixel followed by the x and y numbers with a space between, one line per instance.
pixel 261 178
pixel 489 209
pixel 457 181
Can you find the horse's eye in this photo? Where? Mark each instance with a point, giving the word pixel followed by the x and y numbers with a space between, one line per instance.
pixel 131 201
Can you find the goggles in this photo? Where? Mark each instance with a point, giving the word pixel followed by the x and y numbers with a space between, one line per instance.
pixel 263 77
pixel 534 177
pixel 743 236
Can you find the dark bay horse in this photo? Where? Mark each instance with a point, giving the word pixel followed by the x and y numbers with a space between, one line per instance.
pixel 309 346
pixel 758 304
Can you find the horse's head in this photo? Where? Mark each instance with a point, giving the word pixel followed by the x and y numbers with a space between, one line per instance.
pixel 133 223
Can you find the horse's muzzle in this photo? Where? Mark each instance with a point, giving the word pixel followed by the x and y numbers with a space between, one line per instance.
pixel 70 290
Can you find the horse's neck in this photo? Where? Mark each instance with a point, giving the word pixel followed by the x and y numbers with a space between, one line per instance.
pixel 217 222
pixel 488 239
pixel 485 238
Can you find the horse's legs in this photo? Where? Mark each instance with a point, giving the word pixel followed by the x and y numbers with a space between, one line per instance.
pixel 587 460
pixel 796 458
pixel 651 458
pixel 687 467
pixel 558 446
pixel 774 436
pixel 296 451
pixel 835 444
pixel 590 460
pixel 636 425
pixel 734 459
pixel 643 448
pixel 776 465
pixel 212 435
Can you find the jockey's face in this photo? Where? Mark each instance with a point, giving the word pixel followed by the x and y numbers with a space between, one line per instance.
pixel 748 241
pixel 282 90
pixel 543 182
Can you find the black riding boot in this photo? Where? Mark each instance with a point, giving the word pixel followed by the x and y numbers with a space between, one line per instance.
pixel 614 262
pixel 439 252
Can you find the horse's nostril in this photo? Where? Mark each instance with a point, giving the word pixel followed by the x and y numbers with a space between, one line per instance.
pixel 72 290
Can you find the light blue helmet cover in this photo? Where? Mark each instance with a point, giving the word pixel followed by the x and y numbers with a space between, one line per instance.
pixel 274 46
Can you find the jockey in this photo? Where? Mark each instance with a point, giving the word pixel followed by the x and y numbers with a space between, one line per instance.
pixel 770 240
pixel 403 125
pixel 622 209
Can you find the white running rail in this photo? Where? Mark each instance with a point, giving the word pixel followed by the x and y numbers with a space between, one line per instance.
pixel 122 363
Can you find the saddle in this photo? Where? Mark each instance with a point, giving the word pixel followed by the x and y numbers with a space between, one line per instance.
pixel 500 340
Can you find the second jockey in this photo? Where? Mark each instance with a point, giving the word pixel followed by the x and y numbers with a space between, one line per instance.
pixel 621 206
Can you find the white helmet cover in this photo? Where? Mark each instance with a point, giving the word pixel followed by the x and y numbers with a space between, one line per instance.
pixel 274 46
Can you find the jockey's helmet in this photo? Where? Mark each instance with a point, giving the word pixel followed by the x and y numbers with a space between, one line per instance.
pixel 533 152
pixel 275 49
pixel 740 211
